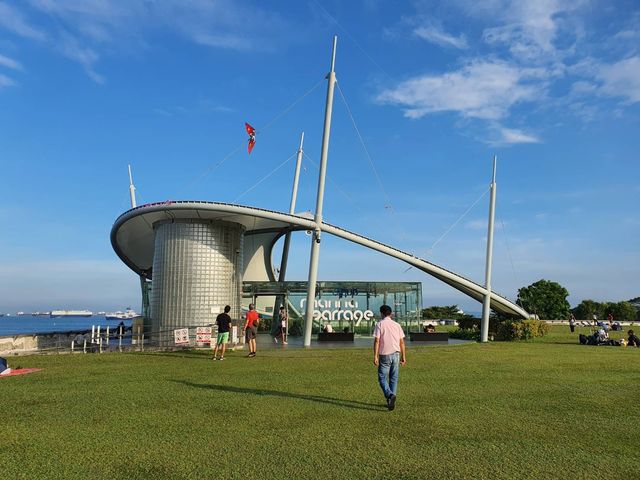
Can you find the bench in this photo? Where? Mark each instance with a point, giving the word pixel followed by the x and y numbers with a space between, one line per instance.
pixel 429 337
pixel 335 337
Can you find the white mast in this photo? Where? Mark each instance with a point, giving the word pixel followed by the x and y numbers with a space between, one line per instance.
pixel 132 189
pixel 486 305
pixel 315 238
pixel 287 238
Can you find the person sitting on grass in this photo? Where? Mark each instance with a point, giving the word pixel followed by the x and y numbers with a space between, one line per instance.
pixel 633 340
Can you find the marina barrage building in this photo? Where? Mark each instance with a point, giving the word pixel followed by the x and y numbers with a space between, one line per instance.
pixel 193 258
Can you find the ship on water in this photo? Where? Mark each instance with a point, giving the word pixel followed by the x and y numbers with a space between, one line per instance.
pixel 70 313
pixel 128 314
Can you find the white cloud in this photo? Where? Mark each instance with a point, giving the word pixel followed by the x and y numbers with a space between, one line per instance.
pixel 437 35
pixel 513 135
pixel 483 89
pixel 621 79
pixel 6 81
pixel 84 30
pixel 71 48
pixel 12 20
pixel 477 224
pixel 9 63
pixel 530 28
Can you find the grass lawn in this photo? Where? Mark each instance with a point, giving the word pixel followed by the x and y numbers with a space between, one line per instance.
pixel 550 408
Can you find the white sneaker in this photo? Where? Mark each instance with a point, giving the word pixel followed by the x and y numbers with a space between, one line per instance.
pixel 275 339
pixel 285 343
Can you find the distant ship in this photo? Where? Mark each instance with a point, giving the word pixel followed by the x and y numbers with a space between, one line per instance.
pixel 20 314
pixel 41 314
pixel 126 315
pixel 70 313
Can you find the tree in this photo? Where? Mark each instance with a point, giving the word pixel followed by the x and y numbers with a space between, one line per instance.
pixel 448 312
pixel 587 308
pixel 546 299
pixel 622 311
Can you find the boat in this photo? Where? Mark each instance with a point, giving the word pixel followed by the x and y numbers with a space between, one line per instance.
pixel 128 314
pixel 70 313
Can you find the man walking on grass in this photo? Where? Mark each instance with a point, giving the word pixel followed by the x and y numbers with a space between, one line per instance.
pixel 224 323
pixel 388 354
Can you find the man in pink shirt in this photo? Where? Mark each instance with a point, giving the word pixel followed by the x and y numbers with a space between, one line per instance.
pixel 388 354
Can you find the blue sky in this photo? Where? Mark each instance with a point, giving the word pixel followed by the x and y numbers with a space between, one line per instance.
pixel 435 90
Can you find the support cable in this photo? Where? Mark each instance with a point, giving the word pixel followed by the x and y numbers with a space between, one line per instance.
pixel 355 42
pixel 389 204
pixel 454 224
pixel 334 183
pixel 513 267
pixel 265 177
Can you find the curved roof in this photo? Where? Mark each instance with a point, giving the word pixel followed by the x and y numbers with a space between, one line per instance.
pixel 132 238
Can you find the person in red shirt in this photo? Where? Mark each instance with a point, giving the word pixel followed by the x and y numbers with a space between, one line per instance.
pixel 251 329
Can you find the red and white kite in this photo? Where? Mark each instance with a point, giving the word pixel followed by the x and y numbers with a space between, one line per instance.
pixel 252 136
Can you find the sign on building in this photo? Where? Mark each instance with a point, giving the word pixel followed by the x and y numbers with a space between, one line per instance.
pixel 181 336
pixel 203 335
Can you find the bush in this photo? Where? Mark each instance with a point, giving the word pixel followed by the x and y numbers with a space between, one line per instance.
pixel 521 330
pixel 465 334
pixel 295 327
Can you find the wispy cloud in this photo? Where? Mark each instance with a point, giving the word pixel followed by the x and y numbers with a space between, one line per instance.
pixel 10 63
pixel 85 31
pixel 435 34
pixel 6 81
pixel 483 89
pixel 13 20
pixel 514 135
pixel 70 47
pixel 621 79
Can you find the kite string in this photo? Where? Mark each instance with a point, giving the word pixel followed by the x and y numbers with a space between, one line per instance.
pixel 264 178
pixel 214 167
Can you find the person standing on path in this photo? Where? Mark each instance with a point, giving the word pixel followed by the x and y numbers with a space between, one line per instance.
pixel 224 325
pixel 388 354
pixel 283 319
pixel 251 329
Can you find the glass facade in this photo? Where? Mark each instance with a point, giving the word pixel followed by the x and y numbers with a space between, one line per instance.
pixel 195 273
pixel 352 305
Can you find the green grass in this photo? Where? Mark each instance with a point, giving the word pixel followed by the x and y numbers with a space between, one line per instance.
pixel 541 409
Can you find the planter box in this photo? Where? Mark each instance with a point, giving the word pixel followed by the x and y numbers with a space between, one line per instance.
pixel 429 337
pixel 335 337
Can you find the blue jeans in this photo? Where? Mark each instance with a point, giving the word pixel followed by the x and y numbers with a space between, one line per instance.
pixel 388 370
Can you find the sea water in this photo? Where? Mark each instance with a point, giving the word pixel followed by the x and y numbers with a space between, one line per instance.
pixel 28 324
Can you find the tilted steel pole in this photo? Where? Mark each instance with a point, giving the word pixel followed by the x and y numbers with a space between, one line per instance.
pixel 316 237
pixel 132 189
pixel 287 238
pixel 486 305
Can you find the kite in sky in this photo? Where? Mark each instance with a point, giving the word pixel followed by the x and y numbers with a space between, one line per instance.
pixel 252 136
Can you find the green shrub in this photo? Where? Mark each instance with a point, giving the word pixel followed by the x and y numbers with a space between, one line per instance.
pixel 295 327
pixel 465 334
pixel 521 329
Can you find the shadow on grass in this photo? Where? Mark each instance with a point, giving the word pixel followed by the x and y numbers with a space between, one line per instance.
pixel 339 402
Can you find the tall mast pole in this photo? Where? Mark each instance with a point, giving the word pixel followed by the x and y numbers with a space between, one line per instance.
pixel 132 189
pixel 316 237
pixel 287 238
pixel 486 305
